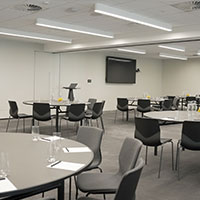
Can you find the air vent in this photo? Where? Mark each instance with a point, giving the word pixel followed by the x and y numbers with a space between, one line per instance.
pixel 187 6
pixel 28 7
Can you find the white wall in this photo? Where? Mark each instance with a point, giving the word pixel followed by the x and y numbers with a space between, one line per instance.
pixel 181 77
pixel 17 73
pixel 78 67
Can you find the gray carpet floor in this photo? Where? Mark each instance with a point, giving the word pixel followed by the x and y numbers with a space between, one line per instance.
pixel 167 187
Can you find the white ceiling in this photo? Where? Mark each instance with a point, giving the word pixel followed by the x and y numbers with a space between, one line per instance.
pixel 186 25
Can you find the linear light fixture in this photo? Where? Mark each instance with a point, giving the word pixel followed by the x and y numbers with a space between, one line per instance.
pixel 130 16
pixel 73 28
pixel 173 56
pixel 198 53
pixel 132 50
pixel 172 47
pixel 37 36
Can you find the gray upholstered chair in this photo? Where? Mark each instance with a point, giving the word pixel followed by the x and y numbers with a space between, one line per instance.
pixel 107 183
pixel 91 137
pixel 143 105
pixel 128 184
pixel 148 131
pixel 15 115
pixel 190 139
pixel 90 106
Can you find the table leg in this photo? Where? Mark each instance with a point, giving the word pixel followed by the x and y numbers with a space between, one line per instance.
pixel 57 118
pixel 155 151
pixel 61 191
pixel 127 116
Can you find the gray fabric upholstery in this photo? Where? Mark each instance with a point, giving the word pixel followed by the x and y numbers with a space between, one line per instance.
pixel 109 182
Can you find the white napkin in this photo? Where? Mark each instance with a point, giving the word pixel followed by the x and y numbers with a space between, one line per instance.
pixel 6 185
pixel 76 149
pixel 66 166
pixel 50 138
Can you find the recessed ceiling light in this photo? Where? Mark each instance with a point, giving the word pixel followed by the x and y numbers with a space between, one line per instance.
pixel 73 28
pixel 130 16
pixel 172 47
pixel 132 50
pixel 173 56
pixel 37 36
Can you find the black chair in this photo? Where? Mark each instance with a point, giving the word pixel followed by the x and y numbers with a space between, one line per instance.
pixel 167 104
pixel 107 183
pixel 15 115
pixel 190 139
pixel 91 137
pixel 75 113
pixel 42 112
pixel 148 131
pixel 123 106
pixel 188 99
pixel 143 105
pixel 128 184
pixel 96 114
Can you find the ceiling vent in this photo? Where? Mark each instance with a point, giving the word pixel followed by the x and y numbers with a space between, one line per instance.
pixel 28 7
pixel 187 6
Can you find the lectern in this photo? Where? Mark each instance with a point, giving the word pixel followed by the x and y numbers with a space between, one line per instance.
pixel 71 92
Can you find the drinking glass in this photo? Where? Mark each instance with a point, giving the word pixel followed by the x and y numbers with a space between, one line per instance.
pixel 4 165
pixel 35 133
pixel 57 140
pixel 52 151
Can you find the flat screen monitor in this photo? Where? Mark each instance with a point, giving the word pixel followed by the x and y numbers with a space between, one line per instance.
pixel 120 70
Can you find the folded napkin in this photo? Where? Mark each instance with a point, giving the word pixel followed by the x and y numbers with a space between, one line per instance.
pixel 50 138
pixel 6 185
pixel 76 149
pixel 66 165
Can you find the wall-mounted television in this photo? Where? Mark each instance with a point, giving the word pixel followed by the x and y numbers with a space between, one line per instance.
pixel 120 70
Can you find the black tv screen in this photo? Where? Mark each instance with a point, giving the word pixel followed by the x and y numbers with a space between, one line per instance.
pixel 120 70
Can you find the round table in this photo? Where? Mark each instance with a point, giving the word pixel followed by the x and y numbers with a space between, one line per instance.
pixel 28 161
pixel 174 116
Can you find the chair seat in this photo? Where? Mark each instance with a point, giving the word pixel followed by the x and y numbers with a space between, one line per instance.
pixel 23 115
pixel 165 140
pixel 98 182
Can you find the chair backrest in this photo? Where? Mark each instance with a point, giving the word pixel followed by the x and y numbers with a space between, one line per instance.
pixel 91 137
pixel 129 154
pixel 91 101
pixel 143 105
pixel 190 98
pixel 129 182
pixel 190 138
pixel 41 111
pixel 148 131
pixel 13 109
pixel 76 112
pixel 167 104
pixel 97 110
pixel 171 97
pixel 176 102
pixel 122 104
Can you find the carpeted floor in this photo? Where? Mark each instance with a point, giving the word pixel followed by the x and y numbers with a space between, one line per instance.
pixel 150 187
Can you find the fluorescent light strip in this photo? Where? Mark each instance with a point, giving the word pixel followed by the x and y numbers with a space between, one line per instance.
pixel 182 49
pixel 73 28
pixel 121 14
pixel 198 53
pixel 22 34
pixel 132 51
pixel 173 56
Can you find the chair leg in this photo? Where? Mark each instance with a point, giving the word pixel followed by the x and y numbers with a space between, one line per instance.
pixel 97 123
pixel 8 124
pixel 51 126
pixel 70 187
pixel 161 153
pixel 104 196
pixel 146 154
pixel 115 116
pixel 17 125
pixel 24 125
pixel 100 169
pixel 172 155
pixel 102 123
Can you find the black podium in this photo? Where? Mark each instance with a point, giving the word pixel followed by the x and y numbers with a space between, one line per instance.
pixel 71 91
